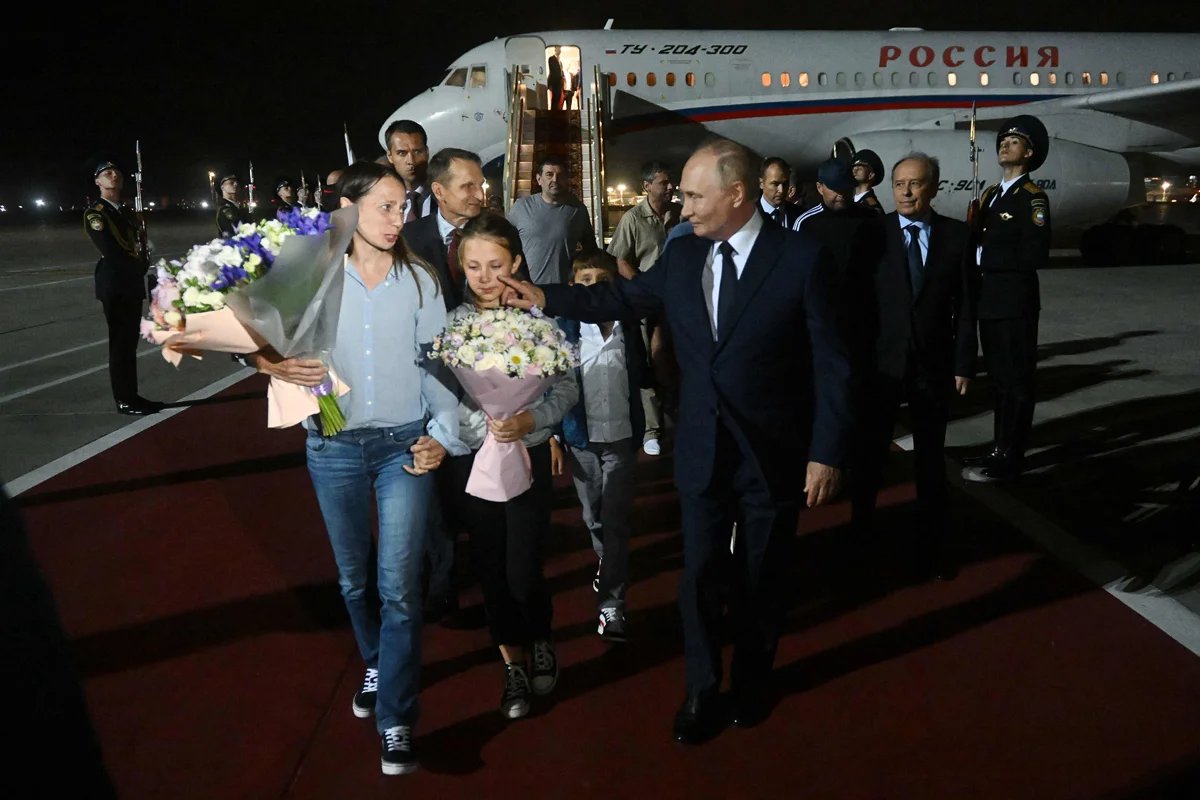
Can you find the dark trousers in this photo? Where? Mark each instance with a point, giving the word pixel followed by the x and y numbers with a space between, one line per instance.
pixel 123 313
pixel 928 407
pixel 507 541
pixel 753 578
pixel 1010 356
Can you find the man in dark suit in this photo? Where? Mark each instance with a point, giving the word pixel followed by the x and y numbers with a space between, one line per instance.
pixel 408 153
pixel 456 180
pixel 120 285
pixel 921 330
pixel 763 414
pixel 775 179
pixel 1014 242
pixel 554 79
pixel 457 183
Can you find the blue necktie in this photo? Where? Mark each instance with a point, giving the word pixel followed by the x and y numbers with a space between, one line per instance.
pixel 728 291
pixel 916 267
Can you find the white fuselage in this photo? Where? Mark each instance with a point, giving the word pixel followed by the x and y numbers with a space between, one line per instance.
pixel 794 94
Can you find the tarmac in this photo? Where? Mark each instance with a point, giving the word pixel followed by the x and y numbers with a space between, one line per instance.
pixel 1115 468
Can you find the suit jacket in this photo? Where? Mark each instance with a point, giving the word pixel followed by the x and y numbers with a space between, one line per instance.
pixel 778 379
pixel 121 270
pixel 932 332
pixel 791 213
pixel 1016 242
pixel 424 239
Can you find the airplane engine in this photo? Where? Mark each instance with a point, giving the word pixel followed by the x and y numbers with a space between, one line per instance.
pixel 1085 185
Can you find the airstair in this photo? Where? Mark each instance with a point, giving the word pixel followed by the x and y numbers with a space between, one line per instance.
pixel 575 135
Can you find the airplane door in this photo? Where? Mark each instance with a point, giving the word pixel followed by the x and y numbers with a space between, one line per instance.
pixel 526 55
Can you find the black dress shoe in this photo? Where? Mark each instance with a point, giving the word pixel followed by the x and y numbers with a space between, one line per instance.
pixel 139 407
pixel 698 719
pixel 1001 471
pixel 987 459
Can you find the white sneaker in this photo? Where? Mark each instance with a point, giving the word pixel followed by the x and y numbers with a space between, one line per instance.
pixel 651 447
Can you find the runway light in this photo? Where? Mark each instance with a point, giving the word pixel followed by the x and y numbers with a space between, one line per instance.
pixel 204 204
pixel 39 202
pixel 152 205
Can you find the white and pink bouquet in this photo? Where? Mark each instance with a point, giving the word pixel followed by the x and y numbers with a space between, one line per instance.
pixel 277 282
pixel 505 359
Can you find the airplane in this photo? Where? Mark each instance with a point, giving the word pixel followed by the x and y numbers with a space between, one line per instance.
pixel 1118 106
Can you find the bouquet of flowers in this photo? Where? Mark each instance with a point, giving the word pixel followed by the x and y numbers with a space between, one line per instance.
pixel 505 359
pixel 278 282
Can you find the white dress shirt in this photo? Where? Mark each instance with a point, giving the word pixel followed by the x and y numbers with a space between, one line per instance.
pixel 605 381
pixel 741 242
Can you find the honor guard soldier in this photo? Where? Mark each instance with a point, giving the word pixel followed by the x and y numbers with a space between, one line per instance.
pixel 1014 241
pixel 283 197
pixel 868 173
pixel 120 285
pixel 230 213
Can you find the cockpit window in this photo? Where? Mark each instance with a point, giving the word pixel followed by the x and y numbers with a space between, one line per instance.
pixel 457 77
pixel 443 80
pixel 478 77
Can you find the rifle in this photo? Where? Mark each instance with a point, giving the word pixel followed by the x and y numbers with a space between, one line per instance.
pixel 250 190
pixel 304 189
pixel 138 206
pixel 349 150
pixel 973 219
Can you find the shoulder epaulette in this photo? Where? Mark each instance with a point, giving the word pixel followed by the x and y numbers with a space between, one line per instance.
pixel 98 205
pixel 1031 187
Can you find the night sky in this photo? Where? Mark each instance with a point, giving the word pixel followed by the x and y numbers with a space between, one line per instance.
pixel 207 83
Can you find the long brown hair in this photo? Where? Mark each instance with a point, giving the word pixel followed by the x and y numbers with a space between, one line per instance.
pixel 360 178
pixel 496 228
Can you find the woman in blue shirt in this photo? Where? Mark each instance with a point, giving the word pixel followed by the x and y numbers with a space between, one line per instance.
pixel 400 423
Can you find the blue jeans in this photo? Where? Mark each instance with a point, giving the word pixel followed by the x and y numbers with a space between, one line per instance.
pixel 344 470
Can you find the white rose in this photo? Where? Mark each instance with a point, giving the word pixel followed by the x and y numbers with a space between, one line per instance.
pixel 490 361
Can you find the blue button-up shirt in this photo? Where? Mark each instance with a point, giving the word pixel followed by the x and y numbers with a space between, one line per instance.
pixel 383 337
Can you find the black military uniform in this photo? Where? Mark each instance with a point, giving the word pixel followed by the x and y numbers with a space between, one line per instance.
pixel 230 214
pixel 870 159
pixel 277 203
pixel 121 288
pixel 1014 239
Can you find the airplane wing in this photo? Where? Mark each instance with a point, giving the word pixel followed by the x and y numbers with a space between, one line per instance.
pixel 1173 106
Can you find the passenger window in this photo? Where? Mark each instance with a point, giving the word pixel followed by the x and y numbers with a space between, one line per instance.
pixel 670 79
pixel 1104 79
pixel 478 77
pixel 651 79
pixel 1016 79
pixel 914 79
pixel 933 79
pixel 785 79
pixel 822 79
pixel 766 79
pixel 1121 78
pixel 1052 77
pixel 1034 79
pixel 983 79
pixel 1154 77
pixel 802 79
pixel 457 77
pixel 860 80
pixel 612 79
pixel 690 80
pixel 631 79
pixel 841 79
pixel 710 80
pixel 1170 76
pixel 952 79
pixel 1085 78
pixel 895 79
pixel 877 79
pixel 1070 78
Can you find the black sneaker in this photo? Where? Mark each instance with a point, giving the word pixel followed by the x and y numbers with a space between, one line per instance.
pixel 363 704
pixel 399 756
pixel 545 667
pixel 514 703
pixel 612 625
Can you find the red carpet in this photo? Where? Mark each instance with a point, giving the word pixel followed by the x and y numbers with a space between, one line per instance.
pixel 193 576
